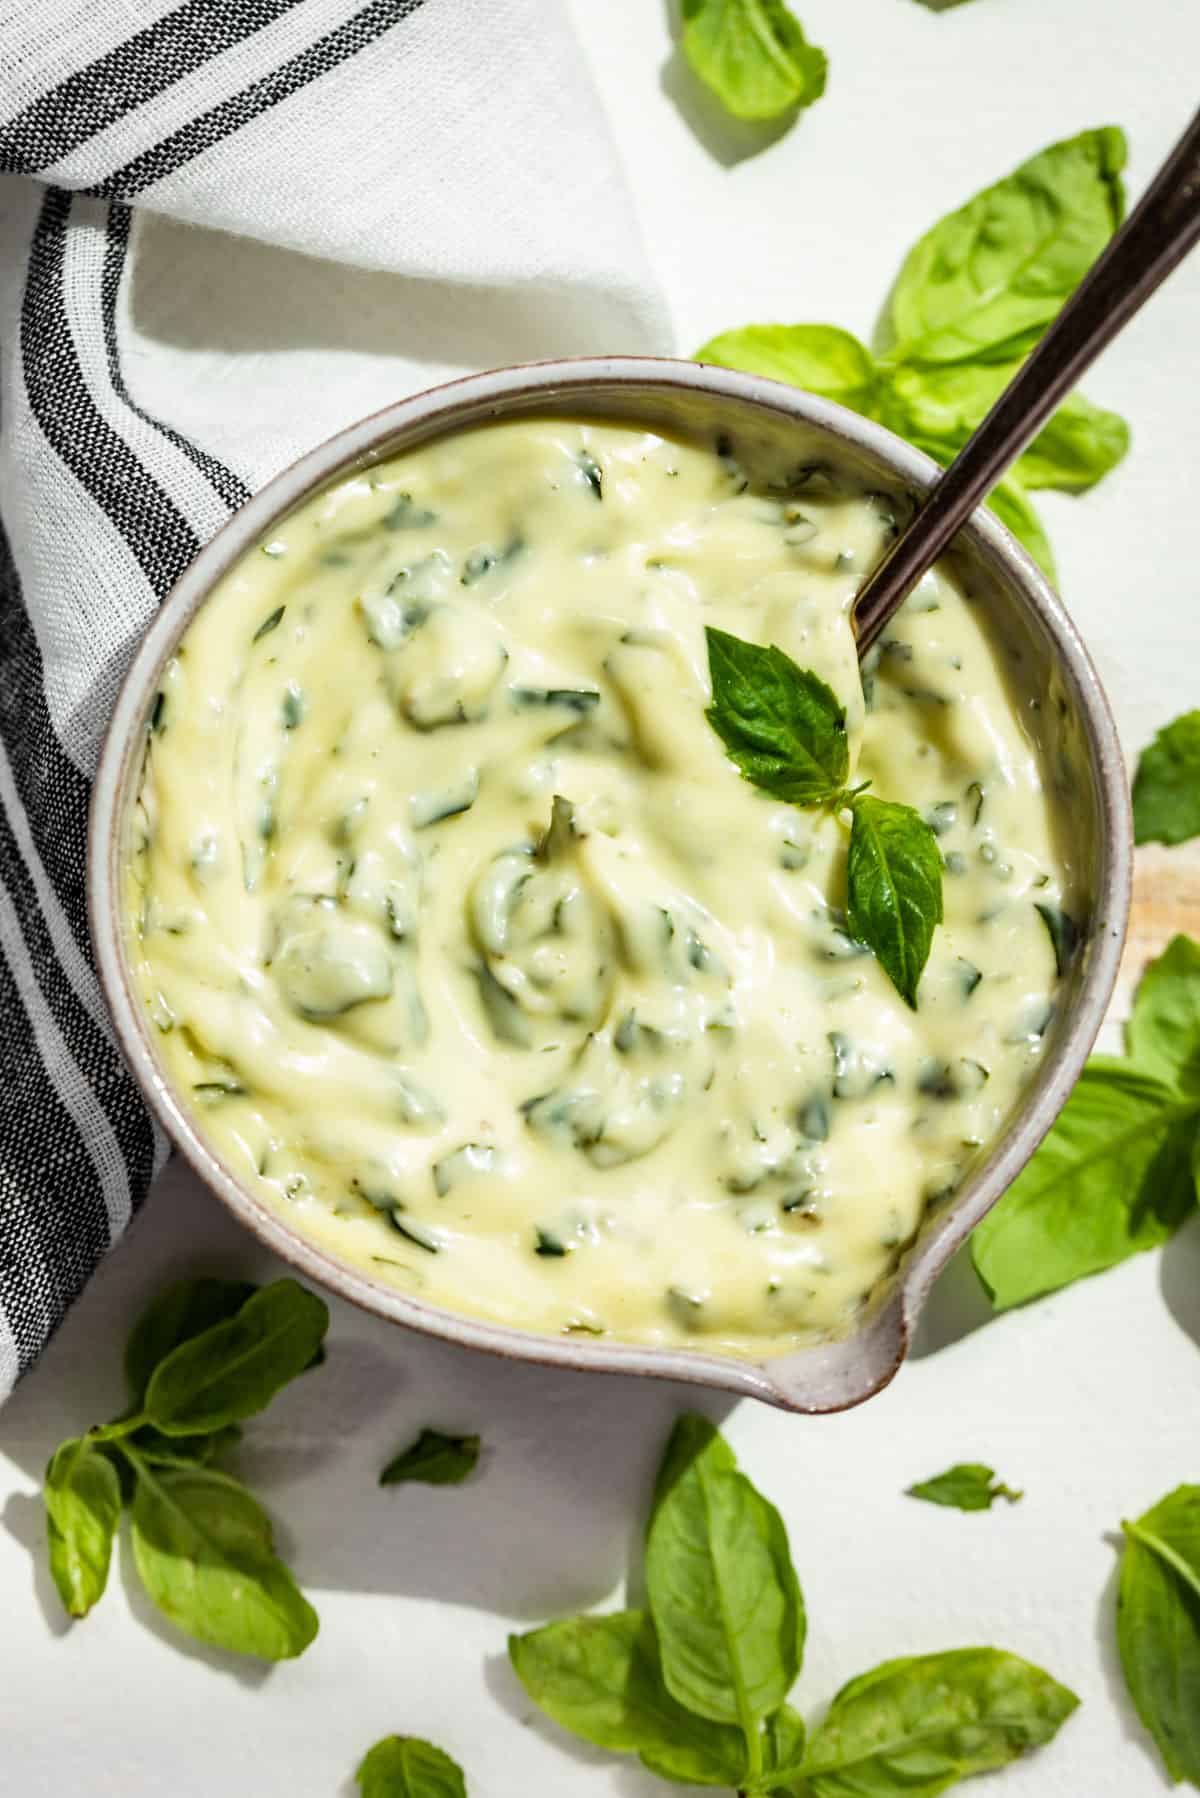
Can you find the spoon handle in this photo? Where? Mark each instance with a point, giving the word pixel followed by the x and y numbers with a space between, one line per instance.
pixel 1160 231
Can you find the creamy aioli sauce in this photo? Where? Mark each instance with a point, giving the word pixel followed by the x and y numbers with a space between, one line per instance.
pixel 472 952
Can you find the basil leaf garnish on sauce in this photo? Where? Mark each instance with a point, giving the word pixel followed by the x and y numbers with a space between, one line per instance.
pixel 782 724
pixel 894 888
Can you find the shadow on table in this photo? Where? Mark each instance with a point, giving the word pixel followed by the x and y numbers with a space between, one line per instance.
pixel 549 1522
pixel 1179 1278
pixel 956 1307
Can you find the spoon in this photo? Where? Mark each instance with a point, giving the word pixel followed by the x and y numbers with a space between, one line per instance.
pixel 1157 235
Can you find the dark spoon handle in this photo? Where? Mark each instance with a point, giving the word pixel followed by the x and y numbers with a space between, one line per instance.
pixel 1160 231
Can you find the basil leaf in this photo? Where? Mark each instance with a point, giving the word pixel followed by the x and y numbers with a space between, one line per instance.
pixel 968 1486
pixel 723 1593
pixel 1077 446
pixel 754 56
pixel 783 727
pixel 163 1450
pixel 984 283
pixel 819 358
pixel 406 1767
pixel 1158 1626
pixel 601 1678
pixel 894 888
pixel 82 1494
pixel 783 1740
pixel 235 1368
pixel 203 1547
pixel 184 1310
pixel 916 1726
pixel 434 1459
pixel 1163 1033
pixel 1112 1177
pixel 1166 787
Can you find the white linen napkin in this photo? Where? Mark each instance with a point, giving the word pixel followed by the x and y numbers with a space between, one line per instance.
pixel 227 228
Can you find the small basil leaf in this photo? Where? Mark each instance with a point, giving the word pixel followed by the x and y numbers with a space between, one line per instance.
pixel 600 1677
pixel 434 1459
pixel 783 727
pixel 915 1726
pixel 968 1486
pixel 1158 1626
pixel 754 56
pixel 894 888
pixel 1163 1034
pixel 82 1495
pixel 154 1445
pixel 184 1310
pixel 986 280
pixel 406 1767
pixel 1166 787
pixel 819 358
pixel 783 1740
pixel 1112 1177
pixel 723 1592
pixel 204 1550
pixel 235 1368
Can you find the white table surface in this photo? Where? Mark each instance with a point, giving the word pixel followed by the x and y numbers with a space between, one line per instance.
pixel 1088 1400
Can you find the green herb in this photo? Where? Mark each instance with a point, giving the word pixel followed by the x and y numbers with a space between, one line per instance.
pixel 601 1678
pixel 83 1507
pixel 434 1460
pixel 1163 1033
pixel 968 1486
pixel 270 622
pixel 406 1767
pixel 894 882
pixel 181 1312
pixel 782 725
pixel 203 1354
pixel 754 56
pixel 235 1368
pixel 1114 1176
pixel 786 732
pixel 697 1686
pixel 724 1595
pixel 1166 787
pixel 916 1726
pixel 974 296
pixel 1158 1626
pixel 204 1551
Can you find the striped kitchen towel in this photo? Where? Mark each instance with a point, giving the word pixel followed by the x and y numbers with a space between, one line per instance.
pixel 227 228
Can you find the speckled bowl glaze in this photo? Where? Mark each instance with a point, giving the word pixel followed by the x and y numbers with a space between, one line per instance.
pixel 767 421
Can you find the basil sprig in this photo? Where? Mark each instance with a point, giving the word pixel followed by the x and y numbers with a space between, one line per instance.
pixel 697 1685
pixel 1158 1626
pixel 1166 787
pixel 203 1356
pixel 407 1767
pixel 753 55
pixel 967 1486
pixel 973 297
pixel 786 731
pixel 1117 1172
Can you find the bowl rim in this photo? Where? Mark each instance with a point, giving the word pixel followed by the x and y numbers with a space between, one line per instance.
pixel 815 1379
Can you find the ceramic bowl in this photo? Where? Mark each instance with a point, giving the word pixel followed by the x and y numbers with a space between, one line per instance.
pixel 767 421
